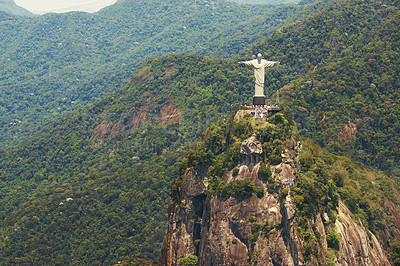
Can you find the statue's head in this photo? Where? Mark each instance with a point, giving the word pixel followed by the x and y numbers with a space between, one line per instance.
pixel 259 57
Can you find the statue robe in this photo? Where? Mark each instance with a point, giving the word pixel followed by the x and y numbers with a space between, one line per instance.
pixel 259 70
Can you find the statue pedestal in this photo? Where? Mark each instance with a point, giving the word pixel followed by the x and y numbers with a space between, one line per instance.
pixel 258 100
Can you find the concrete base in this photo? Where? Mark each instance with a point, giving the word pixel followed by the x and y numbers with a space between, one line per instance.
pixel 258 100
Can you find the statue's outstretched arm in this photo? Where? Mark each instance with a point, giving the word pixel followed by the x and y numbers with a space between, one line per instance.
pixel 245 63
pixel 271 63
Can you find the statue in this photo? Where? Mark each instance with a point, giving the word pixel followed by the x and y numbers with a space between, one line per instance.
pixel 259 66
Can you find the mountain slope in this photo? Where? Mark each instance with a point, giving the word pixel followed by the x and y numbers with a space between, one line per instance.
pixel 103 174
pixel 265 196
pixel 115 159
pixel 56 63
pixel 9 6
pixel 347 97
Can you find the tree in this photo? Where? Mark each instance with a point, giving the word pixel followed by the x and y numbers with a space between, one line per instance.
pixel 188 261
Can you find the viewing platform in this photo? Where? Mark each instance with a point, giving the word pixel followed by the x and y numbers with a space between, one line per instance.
pixel 261 111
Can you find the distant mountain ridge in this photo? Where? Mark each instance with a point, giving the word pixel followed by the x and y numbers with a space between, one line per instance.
pixel 9 6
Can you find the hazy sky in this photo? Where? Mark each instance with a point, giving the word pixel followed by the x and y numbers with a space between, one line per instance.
pixel 43 6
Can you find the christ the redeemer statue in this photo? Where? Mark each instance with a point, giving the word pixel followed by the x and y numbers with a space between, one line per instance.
pixel 259 66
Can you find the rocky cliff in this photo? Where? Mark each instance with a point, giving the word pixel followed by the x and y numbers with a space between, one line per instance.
pixel 237 202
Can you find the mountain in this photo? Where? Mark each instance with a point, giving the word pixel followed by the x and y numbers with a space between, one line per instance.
pixel 57 63
pixel 254 193
pixel 94 186
pixel 114 160
pixel 10 7
pixel 341 79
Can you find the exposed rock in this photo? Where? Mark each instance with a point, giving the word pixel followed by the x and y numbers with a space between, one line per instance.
pixel 137 120
pixel 169 114
pixel 258 230
pixel 241 114
pixel 250 151
pixel 185 218
pixel 356 248
pixel 100 133
pixel 251 146
pixel 193 184
pixel 348 132
pixel 225 234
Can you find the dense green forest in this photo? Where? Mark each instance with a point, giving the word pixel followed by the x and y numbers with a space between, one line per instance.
pixel 55 63
pixel 93 186
pixel 347 97
pixel 115 159
pixel 103 174
pixel 372 197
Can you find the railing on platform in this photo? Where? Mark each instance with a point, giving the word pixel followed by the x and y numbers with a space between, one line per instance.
pixel 261 111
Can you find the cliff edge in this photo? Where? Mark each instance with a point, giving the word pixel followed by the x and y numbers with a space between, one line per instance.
pixel 243 198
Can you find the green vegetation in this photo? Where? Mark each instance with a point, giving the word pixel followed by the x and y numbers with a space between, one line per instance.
pixel 56 63
pixel 116 158
pixel 189 261
pixel 115 163
pixel 340 76
pixel 257 229
pixel 235 171
pixel 240 189
pixel 264 173
pixel 333 239
pixel 324 178
pixel 394 252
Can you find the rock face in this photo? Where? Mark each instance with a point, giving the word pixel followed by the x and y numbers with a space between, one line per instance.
pixel 355 246
pixel 256 230
pixel 184 218
pixel 250 151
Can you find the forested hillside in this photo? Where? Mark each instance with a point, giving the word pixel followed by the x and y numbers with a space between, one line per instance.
pixel 222 203
pixel 347 98
pixel 56 63
pixel 93 186
pixel 115 159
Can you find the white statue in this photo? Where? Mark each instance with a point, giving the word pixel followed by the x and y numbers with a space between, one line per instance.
pixel 259 66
